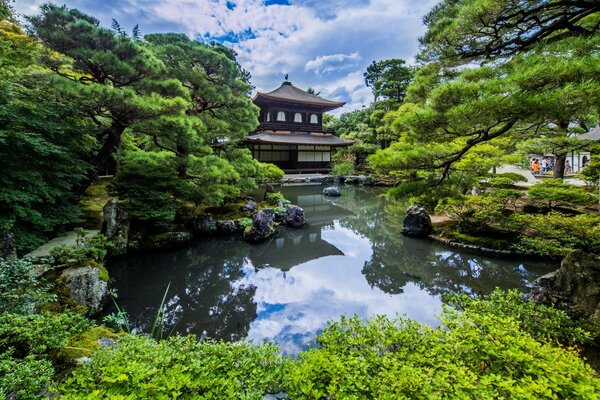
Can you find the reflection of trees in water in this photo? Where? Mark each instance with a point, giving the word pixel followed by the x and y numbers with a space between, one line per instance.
pixel 398 260
pixel 206 294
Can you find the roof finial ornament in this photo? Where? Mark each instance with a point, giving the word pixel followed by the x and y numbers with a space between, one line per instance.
pixel 286 77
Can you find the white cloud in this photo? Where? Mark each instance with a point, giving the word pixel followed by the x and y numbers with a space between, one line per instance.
pixel 332 63
pixel 326 45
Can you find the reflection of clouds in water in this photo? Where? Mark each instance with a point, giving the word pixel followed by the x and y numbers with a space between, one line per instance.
pixel 293 307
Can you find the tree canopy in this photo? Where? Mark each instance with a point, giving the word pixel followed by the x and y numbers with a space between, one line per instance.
pixel 460 118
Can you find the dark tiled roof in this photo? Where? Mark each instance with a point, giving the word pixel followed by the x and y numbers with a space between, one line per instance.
pixel 594 134
pixel 299 138
pixel 290 93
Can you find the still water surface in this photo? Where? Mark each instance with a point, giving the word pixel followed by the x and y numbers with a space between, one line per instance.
pixel 350 259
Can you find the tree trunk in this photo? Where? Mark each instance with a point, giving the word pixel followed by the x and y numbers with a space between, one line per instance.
pixel 182 163
pixel 559 166
pixel 103 160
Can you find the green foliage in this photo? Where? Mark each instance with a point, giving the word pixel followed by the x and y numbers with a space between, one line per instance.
pixel 556 192
pixel 276 199
pixel 142 368
pixel 88 248
pixel 543 323
pixel 474 354
pixel 473 211
pixel 20 290
pixel 591 173
pixel 556 234
pixel 491 85
pixel 24 378
pixel 117 80
pixel 342 168
pixel 29 346
pixel 39 334
pixel 148 183
pixel 505 180
pixel 388 79
pixel 43 144
pixel 86 343
pixel 270 173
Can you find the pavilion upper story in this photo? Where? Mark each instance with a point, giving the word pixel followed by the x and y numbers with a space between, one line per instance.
pixel 291 133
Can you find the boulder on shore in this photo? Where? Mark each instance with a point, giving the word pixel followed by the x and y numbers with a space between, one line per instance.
pixel 261 229
pixel 417 222
pixel 167 240
pixel 250 207
pixel 227 227
pixel 116 227
pixel 85 287
pixel 294 217
pixel 205 225
pixel 332 191
pixel 574 287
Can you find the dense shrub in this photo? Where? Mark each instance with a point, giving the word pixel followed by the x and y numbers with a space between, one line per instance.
pixel 20 291
pixel 474 355
pixel 544 323
pixel 148 183
pixel 29 351
pixel 39 334
pixel 499 346
pixel 142 368
pixel 342 168
pixel 555 192
pixel 87 248
pixel 556 234
pixel 26 378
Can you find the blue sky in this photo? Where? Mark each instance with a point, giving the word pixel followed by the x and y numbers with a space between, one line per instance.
pixel 324 44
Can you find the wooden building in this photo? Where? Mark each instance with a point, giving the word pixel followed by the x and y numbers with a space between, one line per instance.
pixel 291 133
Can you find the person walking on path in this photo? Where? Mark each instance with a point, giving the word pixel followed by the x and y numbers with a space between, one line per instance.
pixel 536 167
pixel 544 165
pixel 568 168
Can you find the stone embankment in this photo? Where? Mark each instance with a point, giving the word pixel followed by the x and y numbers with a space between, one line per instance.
pixel 316 179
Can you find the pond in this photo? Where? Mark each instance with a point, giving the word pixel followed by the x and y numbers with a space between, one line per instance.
pixel 350 259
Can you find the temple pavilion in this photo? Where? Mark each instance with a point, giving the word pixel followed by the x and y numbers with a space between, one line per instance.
pixel 291 133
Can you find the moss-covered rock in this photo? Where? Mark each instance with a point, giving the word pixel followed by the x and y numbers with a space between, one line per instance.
pixel 86 343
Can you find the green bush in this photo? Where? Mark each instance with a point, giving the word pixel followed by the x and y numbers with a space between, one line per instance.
pixel 556 234
pixel 474 355
pixel 149 184
pixel 39 334
pixel 90 248
pixel 544 323
pixel 270 173
pixel 276 199
pixel 342 168
pixel 555 192
pixel 142 368
pixel 26 378
pixel 30 347
pixel 20 290
pixel 506 180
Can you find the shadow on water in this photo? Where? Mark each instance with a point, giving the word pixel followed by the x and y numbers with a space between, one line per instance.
pixel 350 259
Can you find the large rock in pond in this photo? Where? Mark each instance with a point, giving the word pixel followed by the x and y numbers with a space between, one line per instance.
pixel 261 229
pixel 574 287
pixel 294 217
pixel 86 286
pixel 227 227
pixel 205 225
pixel 167 240
pixel 250 207
pixel 332 191
pixel 8 251
pixel 417 222
pixel 116 227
